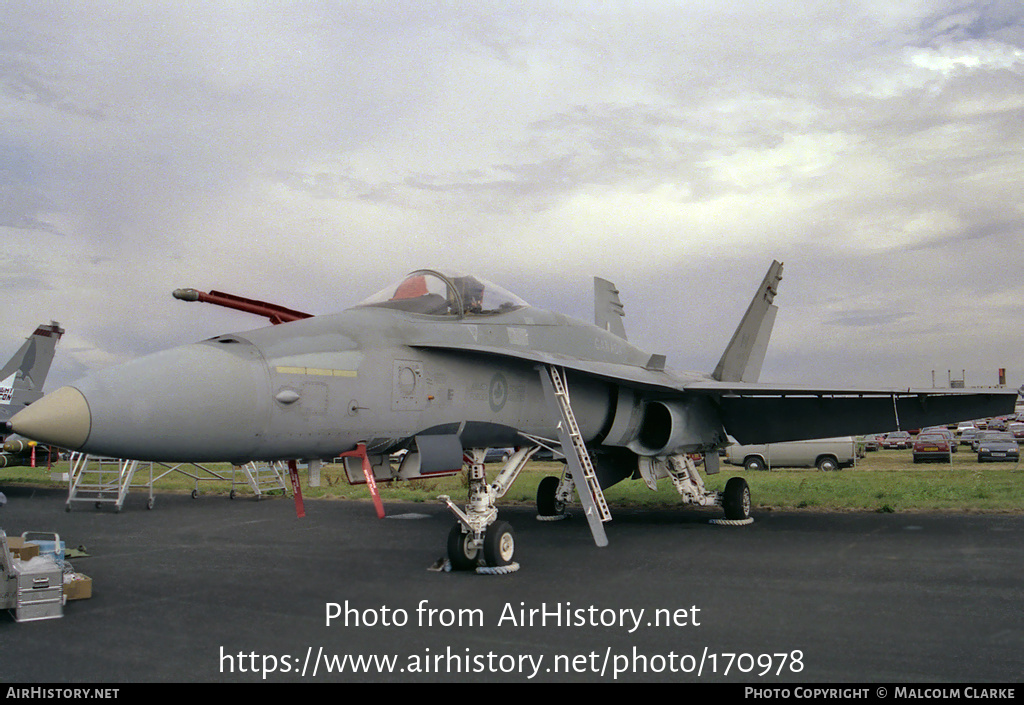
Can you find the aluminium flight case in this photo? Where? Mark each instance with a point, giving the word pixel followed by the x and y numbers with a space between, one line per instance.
pixel 31 590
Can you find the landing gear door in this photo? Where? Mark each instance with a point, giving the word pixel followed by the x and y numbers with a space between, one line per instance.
pixel 434 456
pixel 381 465
pixel 711 462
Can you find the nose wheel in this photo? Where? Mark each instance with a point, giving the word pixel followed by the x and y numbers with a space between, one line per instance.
pixel 478 540
pixel 499 544
pixel 463 552
pixel 492 552
pixel 497 548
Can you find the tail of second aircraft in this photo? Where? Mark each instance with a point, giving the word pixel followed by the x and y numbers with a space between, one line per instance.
pixel 22 378
pixel 742 359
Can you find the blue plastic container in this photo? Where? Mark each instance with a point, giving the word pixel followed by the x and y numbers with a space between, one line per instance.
pixel 49 545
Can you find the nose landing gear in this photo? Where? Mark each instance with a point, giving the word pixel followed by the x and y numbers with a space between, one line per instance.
pixel 478 540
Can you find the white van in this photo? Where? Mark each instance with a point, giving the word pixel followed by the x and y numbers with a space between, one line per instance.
pixel 823 453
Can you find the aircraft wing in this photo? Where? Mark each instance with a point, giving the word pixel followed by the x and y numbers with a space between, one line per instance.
pixel 771 413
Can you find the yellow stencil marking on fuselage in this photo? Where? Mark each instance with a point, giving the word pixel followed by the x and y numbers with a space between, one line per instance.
pixel 315 371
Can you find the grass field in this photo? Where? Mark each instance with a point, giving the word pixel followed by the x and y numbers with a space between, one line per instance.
pixel 884 481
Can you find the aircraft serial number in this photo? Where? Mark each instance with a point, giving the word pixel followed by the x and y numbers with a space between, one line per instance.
pixel 607 346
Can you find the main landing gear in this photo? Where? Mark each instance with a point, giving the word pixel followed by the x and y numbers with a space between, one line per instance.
pixel 736 499
pixel 681 470
pixel 553 496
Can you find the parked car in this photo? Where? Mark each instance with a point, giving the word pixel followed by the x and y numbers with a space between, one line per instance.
pixel 1017 429
pixel 969 436
pixel 983 435
pixel 897 439
pixel 498 455
pixel 998 445
pixel 963 426
pixel 933 446
pixel 945 433
pixel 824 453
pixel 869 442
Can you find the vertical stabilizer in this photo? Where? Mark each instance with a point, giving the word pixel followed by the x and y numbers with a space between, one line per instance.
pixel 22 378
pixel 608 310
pixel 742 360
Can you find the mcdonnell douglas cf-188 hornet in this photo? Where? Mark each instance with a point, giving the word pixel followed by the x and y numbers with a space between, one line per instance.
pixel 445 366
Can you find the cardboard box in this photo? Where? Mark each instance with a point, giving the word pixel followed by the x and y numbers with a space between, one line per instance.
pixel 77 586
pixel 21 549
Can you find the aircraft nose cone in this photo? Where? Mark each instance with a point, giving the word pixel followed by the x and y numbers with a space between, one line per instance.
pixel 61 418
pixel 202 402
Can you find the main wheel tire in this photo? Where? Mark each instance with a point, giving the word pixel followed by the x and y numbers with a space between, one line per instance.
pixel 736 499
pixel 547 503
pixel 462 554
pixel 499 544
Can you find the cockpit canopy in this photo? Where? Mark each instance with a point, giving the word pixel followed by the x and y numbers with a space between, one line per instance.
pixel 434 293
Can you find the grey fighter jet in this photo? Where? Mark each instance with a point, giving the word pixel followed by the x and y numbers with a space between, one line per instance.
pixel 444 366
pixel 22 378
pixel 21 383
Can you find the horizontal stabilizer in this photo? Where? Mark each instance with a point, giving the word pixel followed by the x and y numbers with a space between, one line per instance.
pixel 742 359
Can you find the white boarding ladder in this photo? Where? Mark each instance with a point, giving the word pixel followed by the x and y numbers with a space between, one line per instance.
pixel 576 454
pixel 100 480
pixel 264 478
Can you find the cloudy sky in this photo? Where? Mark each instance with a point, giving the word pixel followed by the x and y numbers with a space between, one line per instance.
pixel 308 153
